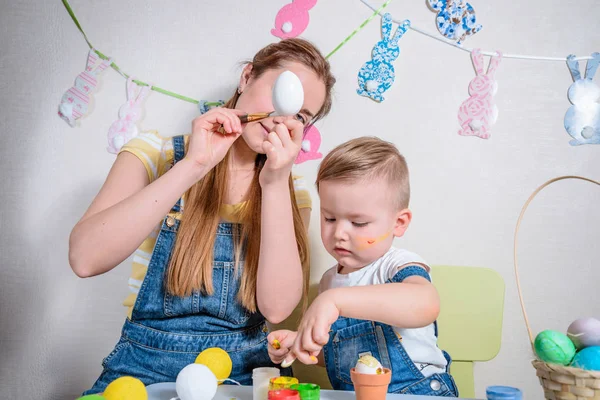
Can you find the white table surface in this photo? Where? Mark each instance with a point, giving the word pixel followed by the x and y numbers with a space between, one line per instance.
pixel 166 391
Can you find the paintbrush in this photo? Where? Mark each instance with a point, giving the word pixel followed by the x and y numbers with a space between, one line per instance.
pixel 248 118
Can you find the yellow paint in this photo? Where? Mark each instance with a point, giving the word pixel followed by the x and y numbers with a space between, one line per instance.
pixel 282 382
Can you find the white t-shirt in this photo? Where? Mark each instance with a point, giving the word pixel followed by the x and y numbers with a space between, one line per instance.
pixel 419 343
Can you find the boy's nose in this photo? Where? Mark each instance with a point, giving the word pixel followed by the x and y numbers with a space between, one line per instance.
pixel 340 232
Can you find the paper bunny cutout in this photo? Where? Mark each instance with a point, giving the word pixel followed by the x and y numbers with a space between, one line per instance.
pixel 292 19
pixel 76 101
pixel 478 113
pixel 582 120
pixel 310 146
pixel 125 128
pixel 203 105
pixel 455 19
pixel 377 76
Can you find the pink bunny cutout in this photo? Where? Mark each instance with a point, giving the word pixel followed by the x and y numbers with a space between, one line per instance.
pixel 125 128
pixel 310 146
pixel 76 101
pixel 292 19
pixel 478 113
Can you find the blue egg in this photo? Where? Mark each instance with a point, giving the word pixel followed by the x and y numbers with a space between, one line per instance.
pixel 588 358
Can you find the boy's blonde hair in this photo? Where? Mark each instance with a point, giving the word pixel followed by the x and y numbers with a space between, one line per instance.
pixel 366 158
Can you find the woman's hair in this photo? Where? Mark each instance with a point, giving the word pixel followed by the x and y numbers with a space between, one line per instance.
pixel 191 264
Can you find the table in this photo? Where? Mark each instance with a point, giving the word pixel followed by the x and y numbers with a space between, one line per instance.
pixel 166 391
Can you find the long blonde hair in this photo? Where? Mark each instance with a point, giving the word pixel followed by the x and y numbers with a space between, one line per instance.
pixel 192 260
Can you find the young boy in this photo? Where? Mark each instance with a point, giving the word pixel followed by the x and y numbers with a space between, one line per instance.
pixel 378 300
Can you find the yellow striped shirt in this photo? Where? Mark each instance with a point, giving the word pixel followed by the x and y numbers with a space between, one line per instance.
pixel 156 153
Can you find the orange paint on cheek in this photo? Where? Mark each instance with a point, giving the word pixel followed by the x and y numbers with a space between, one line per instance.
pixel 371 241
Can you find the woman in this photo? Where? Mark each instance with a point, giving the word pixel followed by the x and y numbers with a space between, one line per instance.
pixel 230 251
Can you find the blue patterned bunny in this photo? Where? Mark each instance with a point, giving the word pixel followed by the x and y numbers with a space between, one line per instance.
pixel 582 119
pixel 376 76
pixel 455 19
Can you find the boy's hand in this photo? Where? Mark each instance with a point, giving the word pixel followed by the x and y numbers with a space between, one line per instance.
pixel 313 332
pixel 280 343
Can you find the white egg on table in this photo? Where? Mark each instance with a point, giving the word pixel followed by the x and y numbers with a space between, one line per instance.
pixel 288 94
pixel 196 382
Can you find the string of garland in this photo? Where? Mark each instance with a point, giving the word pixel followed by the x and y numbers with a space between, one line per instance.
pixel 186 98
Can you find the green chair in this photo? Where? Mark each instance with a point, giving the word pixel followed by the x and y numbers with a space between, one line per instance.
pixel 470 321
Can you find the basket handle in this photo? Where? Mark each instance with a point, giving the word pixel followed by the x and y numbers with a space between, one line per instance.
pixel 535 193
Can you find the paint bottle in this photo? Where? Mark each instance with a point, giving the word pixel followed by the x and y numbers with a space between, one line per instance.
pixel 308 391
pixel 260 382
pixel 503 393
pixel 284 394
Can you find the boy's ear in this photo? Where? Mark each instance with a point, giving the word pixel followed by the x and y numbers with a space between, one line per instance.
pixel 403 218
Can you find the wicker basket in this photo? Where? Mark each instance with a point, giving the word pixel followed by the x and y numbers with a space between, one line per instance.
pixel 559 382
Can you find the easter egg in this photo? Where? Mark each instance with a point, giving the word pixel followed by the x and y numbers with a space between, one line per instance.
pixel 196 382
pixel 125 388
pixel 585 332
pixel 554 347
pixel 368 365
pixel 217 360
pixel 92 397
pixel 288 94
pixel 588 358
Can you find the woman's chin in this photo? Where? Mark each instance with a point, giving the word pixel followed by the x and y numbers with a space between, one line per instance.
pixel 254 143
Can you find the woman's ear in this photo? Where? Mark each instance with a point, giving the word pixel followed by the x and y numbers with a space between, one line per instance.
pixel 245 77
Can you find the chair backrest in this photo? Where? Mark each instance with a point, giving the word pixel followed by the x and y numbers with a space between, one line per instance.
pixel 470 321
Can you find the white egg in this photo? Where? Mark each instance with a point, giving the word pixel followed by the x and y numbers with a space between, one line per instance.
pixel 288 94
pixel 368 365
pixel 196 382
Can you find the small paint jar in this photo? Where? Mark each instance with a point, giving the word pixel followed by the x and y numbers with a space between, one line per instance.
pixel 282 382
pixel 308 391
pixel 260 382
pixel 503 393
pixel 284 394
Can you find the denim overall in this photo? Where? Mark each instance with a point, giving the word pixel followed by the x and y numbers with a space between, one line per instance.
pixel 350 338
pixel 165 333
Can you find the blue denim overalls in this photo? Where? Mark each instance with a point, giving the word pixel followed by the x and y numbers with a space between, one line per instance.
pixel 165 333
pixel 350 338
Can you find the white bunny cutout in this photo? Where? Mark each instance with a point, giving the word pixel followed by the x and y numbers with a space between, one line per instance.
pixel 76 101
pixel 125 128
pixel 582 120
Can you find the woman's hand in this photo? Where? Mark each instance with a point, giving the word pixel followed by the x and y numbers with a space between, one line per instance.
pixel 281 147
pixel 207 146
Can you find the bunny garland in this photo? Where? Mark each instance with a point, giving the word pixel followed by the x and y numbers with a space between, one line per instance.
pixel 76 101
pixel 455 19
pixel 204 105
pixel 478 113
pixel 292 19
pixel 582 120
pixel 377 75
pixel 125 128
